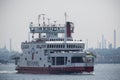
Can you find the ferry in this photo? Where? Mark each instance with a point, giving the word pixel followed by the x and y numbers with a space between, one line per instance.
pixel 52 50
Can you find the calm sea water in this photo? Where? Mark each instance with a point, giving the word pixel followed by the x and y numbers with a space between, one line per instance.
pixel 102 72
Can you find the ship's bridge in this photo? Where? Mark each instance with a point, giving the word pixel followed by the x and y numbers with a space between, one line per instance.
pixel 53 31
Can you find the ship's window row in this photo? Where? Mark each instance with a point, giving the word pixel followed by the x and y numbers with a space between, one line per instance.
pixel 40 46
pixel 56 39
pixel 63 46
pixel 33 52
pixel 74 46
pixel 55 46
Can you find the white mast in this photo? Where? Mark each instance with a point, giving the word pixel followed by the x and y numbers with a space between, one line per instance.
pixel 39 19
pixel 65 17
pixel 65 27
pixel 48 21
pixel 43 19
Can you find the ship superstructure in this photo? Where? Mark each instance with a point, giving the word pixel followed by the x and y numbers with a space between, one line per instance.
pixel 54 51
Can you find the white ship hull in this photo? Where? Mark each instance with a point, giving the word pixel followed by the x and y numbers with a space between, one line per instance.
pixel 51 54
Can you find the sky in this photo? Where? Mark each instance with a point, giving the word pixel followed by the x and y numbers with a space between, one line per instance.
pixel 91 18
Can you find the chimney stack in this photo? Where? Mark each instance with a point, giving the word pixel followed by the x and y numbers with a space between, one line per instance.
pixel 10 45
pixel 114 39
pixel 68 31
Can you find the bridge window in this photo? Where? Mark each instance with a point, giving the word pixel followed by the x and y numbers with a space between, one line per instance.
pixel 69 46
pixel 73 46
pixel 47 46
pixel 59 46
pixel 77 60
pixel 63 46
pixel 50 46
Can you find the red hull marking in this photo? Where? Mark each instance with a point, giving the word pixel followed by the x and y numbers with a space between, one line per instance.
pixel 57 70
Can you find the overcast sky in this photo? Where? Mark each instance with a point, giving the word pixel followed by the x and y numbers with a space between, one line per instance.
pixel 92 18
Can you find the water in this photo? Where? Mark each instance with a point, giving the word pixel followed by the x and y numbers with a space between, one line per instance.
pixel 102 72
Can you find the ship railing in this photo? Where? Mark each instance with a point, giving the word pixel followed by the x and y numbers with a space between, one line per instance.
pixel 46 25
pixel 69 52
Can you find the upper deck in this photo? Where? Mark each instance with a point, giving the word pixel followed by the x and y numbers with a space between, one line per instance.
pixel 48 35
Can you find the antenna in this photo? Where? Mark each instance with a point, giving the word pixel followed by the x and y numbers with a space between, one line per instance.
pixel 65 17
pixel 43 19
pixel 65 27
pixel 87 44
pixel 39 19
pixel 55 22
pixel 48 21
pixel 28 36
pixel 31 24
